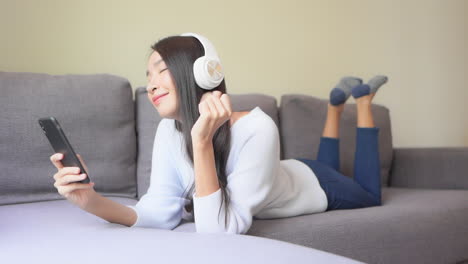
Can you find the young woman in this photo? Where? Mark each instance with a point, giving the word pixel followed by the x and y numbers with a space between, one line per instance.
pixel 222 168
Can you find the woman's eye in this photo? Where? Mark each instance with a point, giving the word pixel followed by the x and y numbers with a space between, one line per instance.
pixel 162 70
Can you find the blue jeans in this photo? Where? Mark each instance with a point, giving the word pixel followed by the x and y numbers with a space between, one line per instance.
pixel 344 192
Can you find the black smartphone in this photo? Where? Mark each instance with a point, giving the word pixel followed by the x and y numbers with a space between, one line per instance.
pixel 60 144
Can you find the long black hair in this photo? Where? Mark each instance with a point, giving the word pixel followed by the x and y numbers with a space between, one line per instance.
pixel 179 54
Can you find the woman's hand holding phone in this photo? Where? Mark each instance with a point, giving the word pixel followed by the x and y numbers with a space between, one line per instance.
pixel 79 194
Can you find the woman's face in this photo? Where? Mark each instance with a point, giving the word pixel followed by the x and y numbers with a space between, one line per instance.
pixel 160 83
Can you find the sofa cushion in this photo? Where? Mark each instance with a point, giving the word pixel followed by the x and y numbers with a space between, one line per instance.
pixel 148 119
pixel 430 168
pixel 56 231
pixel 95 111
pixel 412 226
pixel 302 119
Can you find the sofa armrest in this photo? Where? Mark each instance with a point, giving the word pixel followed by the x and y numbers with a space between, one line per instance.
pixel 431 168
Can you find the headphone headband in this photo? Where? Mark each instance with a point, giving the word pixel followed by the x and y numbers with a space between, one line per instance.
pixel 210 51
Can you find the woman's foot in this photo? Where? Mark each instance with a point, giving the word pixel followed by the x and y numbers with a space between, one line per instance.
pixel 375 84
pixel 342 90
pixel 363 94
pixel 366 92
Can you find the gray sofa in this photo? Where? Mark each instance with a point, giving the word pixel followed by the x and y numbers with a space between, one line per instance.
pixel 423 218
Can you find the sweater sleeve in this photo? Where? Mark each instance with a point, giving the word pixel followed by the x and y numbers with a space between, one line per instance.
pixel 162 205
pixel 249 184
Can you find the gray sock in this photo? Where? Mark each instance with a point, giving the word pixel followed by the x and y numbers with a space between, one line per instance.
pixel 342 90
pixel 376 82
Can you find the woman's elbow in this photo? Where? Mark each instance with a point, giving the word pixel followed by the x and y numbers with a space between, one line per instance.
pixel 158 223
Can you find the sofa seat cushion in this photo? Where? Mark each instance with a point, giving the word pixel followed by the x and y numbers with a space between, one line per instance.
pixel 412 226
pixel 59 232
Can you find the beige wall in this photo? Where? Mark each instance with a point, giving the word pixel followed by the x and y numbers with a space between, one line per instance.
pixel 272 47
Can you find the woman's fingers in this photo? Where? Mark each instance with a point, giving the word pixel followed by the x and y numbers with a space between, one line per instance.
pixel 66 178
pixel 212 108
pixel 217 93
pixel 66 170
pixel 203 108
pixel 225 100
pixel 216 104
pixel 223 112
pixel 69 179
pixel 65 190
pixel 56 160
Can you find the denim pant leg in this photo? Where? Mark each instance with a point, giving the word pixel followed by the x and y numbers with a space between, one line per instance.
pixel 342 192
pixel 329 152
pixel 367 161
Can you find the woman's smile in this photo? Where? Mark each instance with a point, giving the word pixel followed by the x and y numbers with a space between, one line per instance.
pixel 158 98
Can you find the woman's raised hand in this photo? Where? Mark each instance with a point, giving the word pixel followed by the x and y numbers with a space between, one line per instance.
pixel 215 109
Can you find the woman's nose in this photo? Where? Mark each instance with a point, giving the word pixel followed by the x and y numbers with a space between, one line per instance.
pixel 152 84
pixel 150 88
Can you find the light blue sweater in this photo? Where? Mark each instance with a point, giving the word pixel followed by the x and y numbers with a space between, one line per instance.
pixel 260 184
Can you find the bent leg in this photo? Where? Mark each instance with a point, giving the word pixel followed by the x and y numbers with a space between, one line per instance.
pixel 367 161
pixel 342 191
pixel 328 152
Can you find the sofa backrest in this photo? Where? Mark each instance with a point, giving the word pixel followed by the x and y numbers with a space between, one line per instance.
pixel 95 111
pixel 115 134
pixel 148 119
pixel 302 119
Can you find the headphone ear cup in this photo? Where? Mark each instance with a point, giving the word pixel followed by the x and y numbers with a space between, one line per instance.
pixel 208 72
pixel 215 71
pixel 198 73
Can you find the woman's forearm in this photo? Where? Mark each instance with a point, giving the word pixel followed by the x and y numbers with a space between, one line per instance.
pixel 111 211
pixel 206 183
pixel 206 179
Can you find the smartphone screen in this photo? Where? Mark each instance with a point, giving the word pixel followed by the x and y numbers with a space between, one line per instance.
pixel 59 142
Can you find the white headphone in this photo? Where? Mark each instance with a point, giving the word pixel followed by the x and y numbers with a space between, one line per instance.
pixel 207 69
